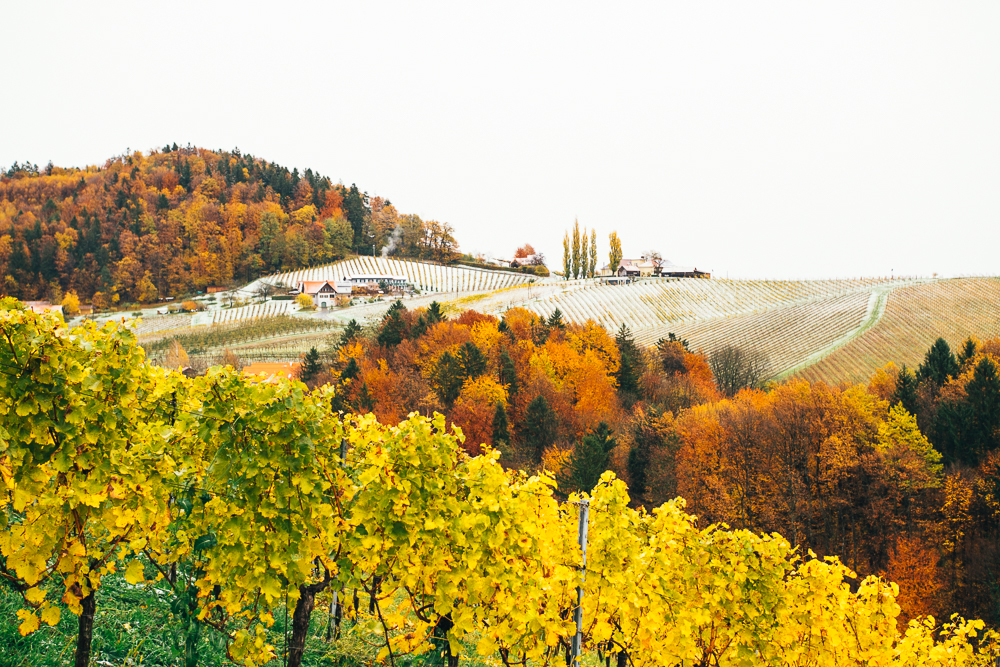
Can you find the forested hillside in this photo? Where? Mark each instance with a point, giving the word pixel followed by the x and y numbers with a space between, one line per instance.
pixel 177 220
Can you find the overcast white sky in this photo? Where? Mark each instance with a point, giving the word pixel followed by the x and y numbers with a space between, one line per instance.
pixel 755 139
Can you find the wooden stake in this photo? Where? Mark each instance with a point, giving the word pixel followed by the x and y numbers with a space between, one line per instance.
pixel 577 648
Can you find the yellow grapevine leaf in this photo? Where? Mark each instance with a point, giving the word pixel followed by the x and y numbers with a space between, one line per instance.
pixel 34 595
pixel 50 615
pixel 134 574
pixel 29 623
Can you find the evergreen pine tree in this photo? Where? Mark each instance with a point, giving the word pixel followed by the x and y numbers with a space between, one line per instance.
pixel 501 427
pixel 471 361
pixel 394 327
pixel 967 352
pixel 420 328
pixel 447 378
pixel 983 401
pixel 939 364
pixel 590 458
pixel 540 429
pixel 311 365
pixel 906 390
pixel 355 211
pixel 508 373
pixel 434 313
pixel 555 320
pixel 628 367
pixel 350 371
pixel 184 178
pixel 351 331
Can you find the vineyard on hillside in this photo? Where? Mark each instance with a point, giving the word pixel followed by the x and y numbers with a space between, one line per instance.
pixel 789 335
pixel 652 308
pixel 914 318
pixel 425 276
pixel 237 333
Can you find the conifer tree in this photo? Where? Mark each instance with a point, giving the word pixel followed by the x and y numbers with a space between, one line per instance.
pixel 540 429
pixel 434 314
pixel 508 373
pixel 447 378
pixel 394 327
pixel 628 367
pixel 939 364
pixel 906 390
pixel 982 432
pixel 555 320
pixel 471 361
pixel 967 352
pixel 501 427
pixel 590 458
pixel 351 331
pixel 311 366
pixel 355 211
pixel 350 371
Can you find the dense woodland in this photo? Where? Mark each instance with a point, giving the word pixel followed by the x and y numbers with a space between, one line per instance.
pixel 899 477
pixel 178 220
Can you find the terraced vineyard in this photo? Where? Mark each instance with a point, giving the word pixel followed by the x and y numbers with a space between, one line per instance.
pixel 831 330
pixel 243 333
pixel 789 336
pixel 253 311
pixel 914 317
pixel 653 308
pixel 424 276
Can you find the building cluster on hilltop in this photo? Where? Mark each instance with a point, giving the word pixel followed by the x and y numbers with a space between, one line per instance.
pixel 325 292
pixel 651 267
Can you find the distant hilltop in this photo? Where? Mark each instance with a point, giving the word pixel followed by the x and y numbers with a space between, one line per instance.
pixel 177 221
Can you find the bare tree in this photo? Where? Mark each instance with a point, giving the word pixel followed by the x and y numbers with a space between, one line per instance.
pixel 265 290
pixel 737 368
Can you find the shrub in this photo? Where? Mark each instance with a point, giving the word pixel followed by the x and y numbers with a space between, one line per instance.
pixel 71 304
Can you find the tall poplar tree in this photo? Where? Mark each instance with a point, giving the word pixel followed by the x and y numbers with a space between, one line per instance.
pixel 576 249
pixel 593 253
pixel 615 255
pixel 567 257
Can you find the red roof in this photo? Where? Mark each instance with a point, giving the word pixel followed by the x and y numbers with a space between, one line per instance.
pixel 314 286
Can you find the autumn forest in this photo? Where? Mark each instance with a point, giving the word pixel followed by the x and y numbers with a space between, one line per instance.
pixel 175 221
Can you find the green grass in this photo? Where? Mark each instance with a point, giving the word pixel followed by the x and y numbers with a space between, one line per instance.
pixel 133 626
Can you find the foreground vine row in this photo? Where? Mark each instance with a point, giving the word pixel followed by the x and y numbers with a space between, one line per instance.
pixel 244 496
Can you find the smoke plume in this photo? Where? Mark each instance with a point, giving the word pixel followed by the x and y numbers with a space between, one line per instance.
pixel 397 233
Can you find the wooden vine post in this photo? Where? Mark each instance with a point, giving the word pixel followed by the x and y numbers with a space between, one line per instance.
pixel 578 612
